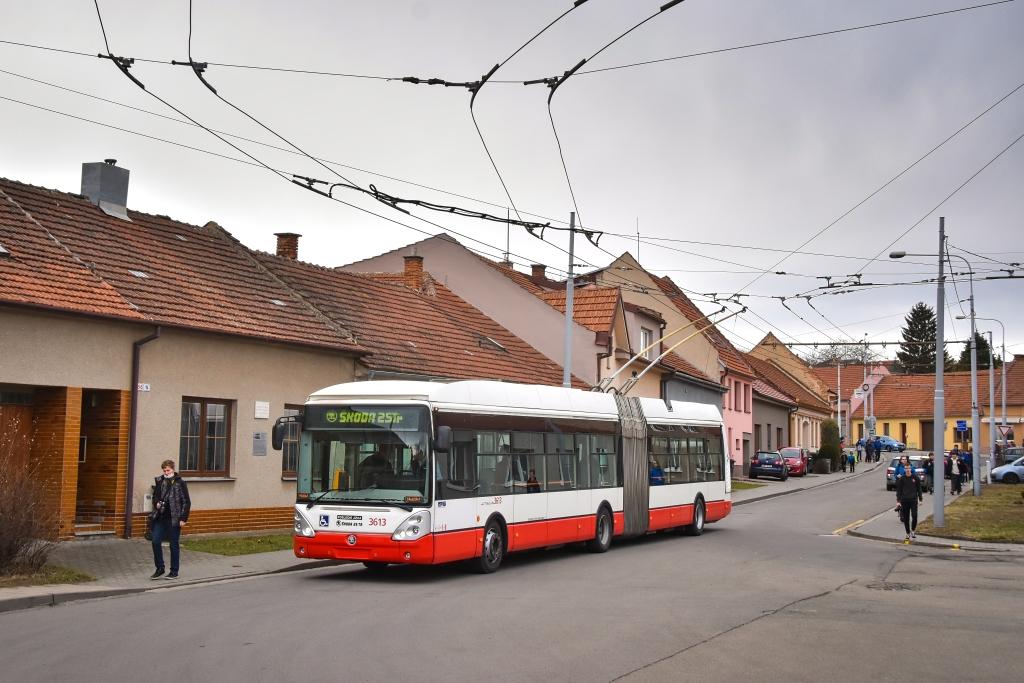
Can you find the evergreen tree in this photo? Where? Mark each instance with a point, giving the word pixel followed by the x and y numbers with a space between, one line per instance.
pixel 984 351
pixel 915 356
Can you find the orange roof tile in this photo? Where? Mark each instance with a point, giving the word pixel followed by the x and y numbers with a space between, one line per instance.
pixel 775 376
pixel 852 377
pixel 768 391
pixel 914 395
pixel 1014 383
pixel 433 333
pixel 168 272
pixel 592 307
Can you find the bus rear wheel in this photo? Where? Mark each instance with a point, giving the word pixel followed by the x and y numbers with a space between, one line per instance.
pixel 493 551
pixel 602 532
pixel 697 527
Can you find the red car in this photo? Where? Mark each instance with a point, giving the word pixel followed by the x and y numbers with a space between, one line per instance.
pixel 797 460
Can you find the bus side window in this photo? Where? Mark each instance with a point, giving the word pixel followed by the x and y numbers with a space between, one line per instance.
pixel 604 471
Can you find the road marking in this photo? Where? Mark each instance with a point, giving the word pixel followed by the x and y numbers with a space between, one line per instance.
pixel 848 526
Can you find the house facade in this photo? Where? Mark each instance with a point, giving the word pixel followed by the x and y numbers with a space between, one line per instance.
pixel 129 338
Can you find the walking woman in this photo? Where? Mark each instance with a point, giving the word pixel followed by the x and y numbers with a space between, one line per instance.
pixel 908 495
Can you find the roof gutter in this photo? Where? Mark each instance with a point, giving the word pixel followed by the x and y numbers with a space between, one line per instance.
pixel 132 427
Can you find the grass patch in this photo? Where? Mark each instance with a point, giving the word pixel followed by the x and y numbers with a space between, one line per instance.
pixel 744 485
pixel 48 575
pixel 240 545
pixel 997 516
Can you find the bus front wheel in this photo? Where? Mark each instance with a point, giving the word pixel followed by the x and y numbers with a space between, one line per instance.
pixel 493 551
pixel 602 532
pixel 697 527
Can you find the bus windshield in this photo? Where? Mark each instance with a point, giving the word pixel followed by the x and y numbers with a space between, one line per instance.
pixel 378 456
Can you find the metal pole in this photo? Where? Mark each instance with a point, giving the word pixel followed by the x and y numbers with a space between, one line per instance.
pixel 939 414
pixel 975 416
pixel 567 366
pixel 839 400
pixel 1004 381
pixel 991 409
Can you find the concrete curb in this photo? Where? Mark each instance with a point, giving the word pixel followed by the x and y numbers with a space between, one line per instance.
pixel 777 494
pixel 928 542
pixel 54 599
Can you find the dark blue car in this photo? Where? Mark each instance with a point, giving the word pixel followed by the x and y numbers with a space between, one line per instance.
pixel 891 444
pixel 768 464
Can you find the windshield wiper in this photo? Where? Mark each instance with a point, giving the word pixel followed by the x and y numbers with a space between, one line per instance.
pixel 317 499
pixel 386 501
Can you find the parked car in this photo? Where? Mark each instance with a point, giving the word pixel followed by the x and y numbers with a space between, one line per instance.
pixel 1011 473
pixel 769 464
pixel 917 462
pixel 891 444
pixel 1010 454
pixel 798 461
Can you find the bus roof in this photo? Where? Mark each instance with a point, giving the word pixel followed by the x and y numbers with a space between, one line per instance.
pixel 507 398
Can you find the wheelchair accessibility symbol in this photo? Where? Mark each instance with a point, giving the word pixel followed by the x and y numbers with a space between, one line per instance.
pixel 325 520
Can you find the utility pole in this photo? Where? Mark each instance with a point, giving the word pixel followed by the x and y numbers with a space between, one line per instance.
pixel 991 409
pixel 939 413
pixel 567 363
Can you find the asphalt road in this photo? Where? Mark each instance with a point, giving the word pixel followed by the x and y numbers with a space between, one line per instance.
pixel 768 594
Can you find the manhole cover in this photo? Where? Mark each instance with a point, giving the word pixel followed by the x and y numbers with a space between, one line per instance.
pixel 892 586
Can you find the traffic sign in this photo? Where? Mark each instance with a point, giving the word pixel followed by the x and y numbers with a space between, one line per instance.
pixel 961 425
pixel 1004 429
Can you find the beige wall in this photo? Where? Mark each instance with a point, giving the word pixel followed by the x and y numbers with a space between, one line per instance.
pixel 182 364
pixel 46 349
pixel 697 350
pixel 43 349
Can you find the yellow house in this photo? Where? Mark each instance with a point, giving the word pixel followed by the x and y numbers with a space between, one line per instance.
pixel 904 408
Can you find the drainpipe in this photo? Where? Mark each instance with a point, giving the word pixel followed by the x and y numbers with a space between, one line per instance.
pixel 132 425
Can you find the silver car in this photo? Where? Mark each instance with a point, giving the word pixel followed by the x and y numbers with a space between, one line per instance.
pixel 1011 473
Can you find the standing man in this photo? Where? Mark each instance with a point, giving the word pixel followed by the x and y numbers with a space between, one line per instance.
pixel 860 447
pixel 908 495
pixel 171 506
pixel 878 448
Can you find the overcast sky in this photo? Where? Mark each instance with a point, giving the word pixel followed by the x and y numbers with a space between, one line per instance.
pixel 759 147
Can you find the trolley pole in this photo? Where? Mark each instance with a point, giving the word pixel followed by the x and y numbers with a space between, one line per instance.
pixel 991 409
pixel 567 356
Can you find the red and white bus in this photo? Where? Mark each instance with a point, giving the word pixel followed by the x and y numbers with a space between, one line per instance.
pixel 401 472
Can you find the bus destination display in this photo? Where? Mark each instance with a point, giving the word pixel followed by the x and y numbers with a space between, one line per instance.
pixel 392 418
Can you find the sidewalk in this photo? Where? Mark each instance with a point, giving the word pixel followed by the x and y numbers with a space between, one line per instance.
pixel 124 566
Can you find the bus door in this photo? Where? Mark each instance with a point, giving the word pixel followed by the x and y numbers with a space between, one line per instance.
pixel 527 478
pixel 494 485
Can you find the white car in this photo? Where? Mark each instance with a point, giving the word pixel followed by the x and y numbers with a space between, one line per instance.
pixel 1010 473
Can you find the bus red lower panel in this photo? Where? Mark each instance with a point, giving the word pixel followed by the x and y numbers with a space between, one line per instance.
pixel 718 509
pixel 366 548
pixel 669 517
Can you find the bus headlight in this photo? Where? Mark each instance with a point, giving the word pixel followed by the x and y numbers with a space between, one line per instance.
pixel 415 526
pixel 302 527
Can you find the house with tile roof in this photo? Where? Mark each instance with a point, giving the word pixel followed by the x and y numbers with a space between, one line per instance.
pixel 905 404
pixel 853 383
pixel 130 338
pixel 607 330
pixel 812 408
pixel 700 344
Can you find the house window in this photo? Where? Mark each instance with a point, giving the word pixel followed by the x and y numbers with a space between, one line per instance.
pixel 746 397
pixel 205 436
pixel 737 397
pixel 646 339
pixel 290 447
pixel 757 436
pixel 778 436
pixel 885 428
pixel 769 447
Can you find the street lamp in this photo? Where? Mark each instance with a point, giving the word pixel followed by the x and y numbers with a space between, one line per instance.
pixel 939 413
pixel 975 415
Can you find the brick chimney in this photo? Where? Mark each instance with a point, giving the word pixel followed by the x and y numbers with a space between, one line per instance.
pixel 413 274
pixel 288 244
pixel 538 271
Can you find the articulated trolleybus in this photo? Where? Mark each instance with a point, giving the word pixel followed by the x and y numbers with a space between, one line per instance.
pixel 396 472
